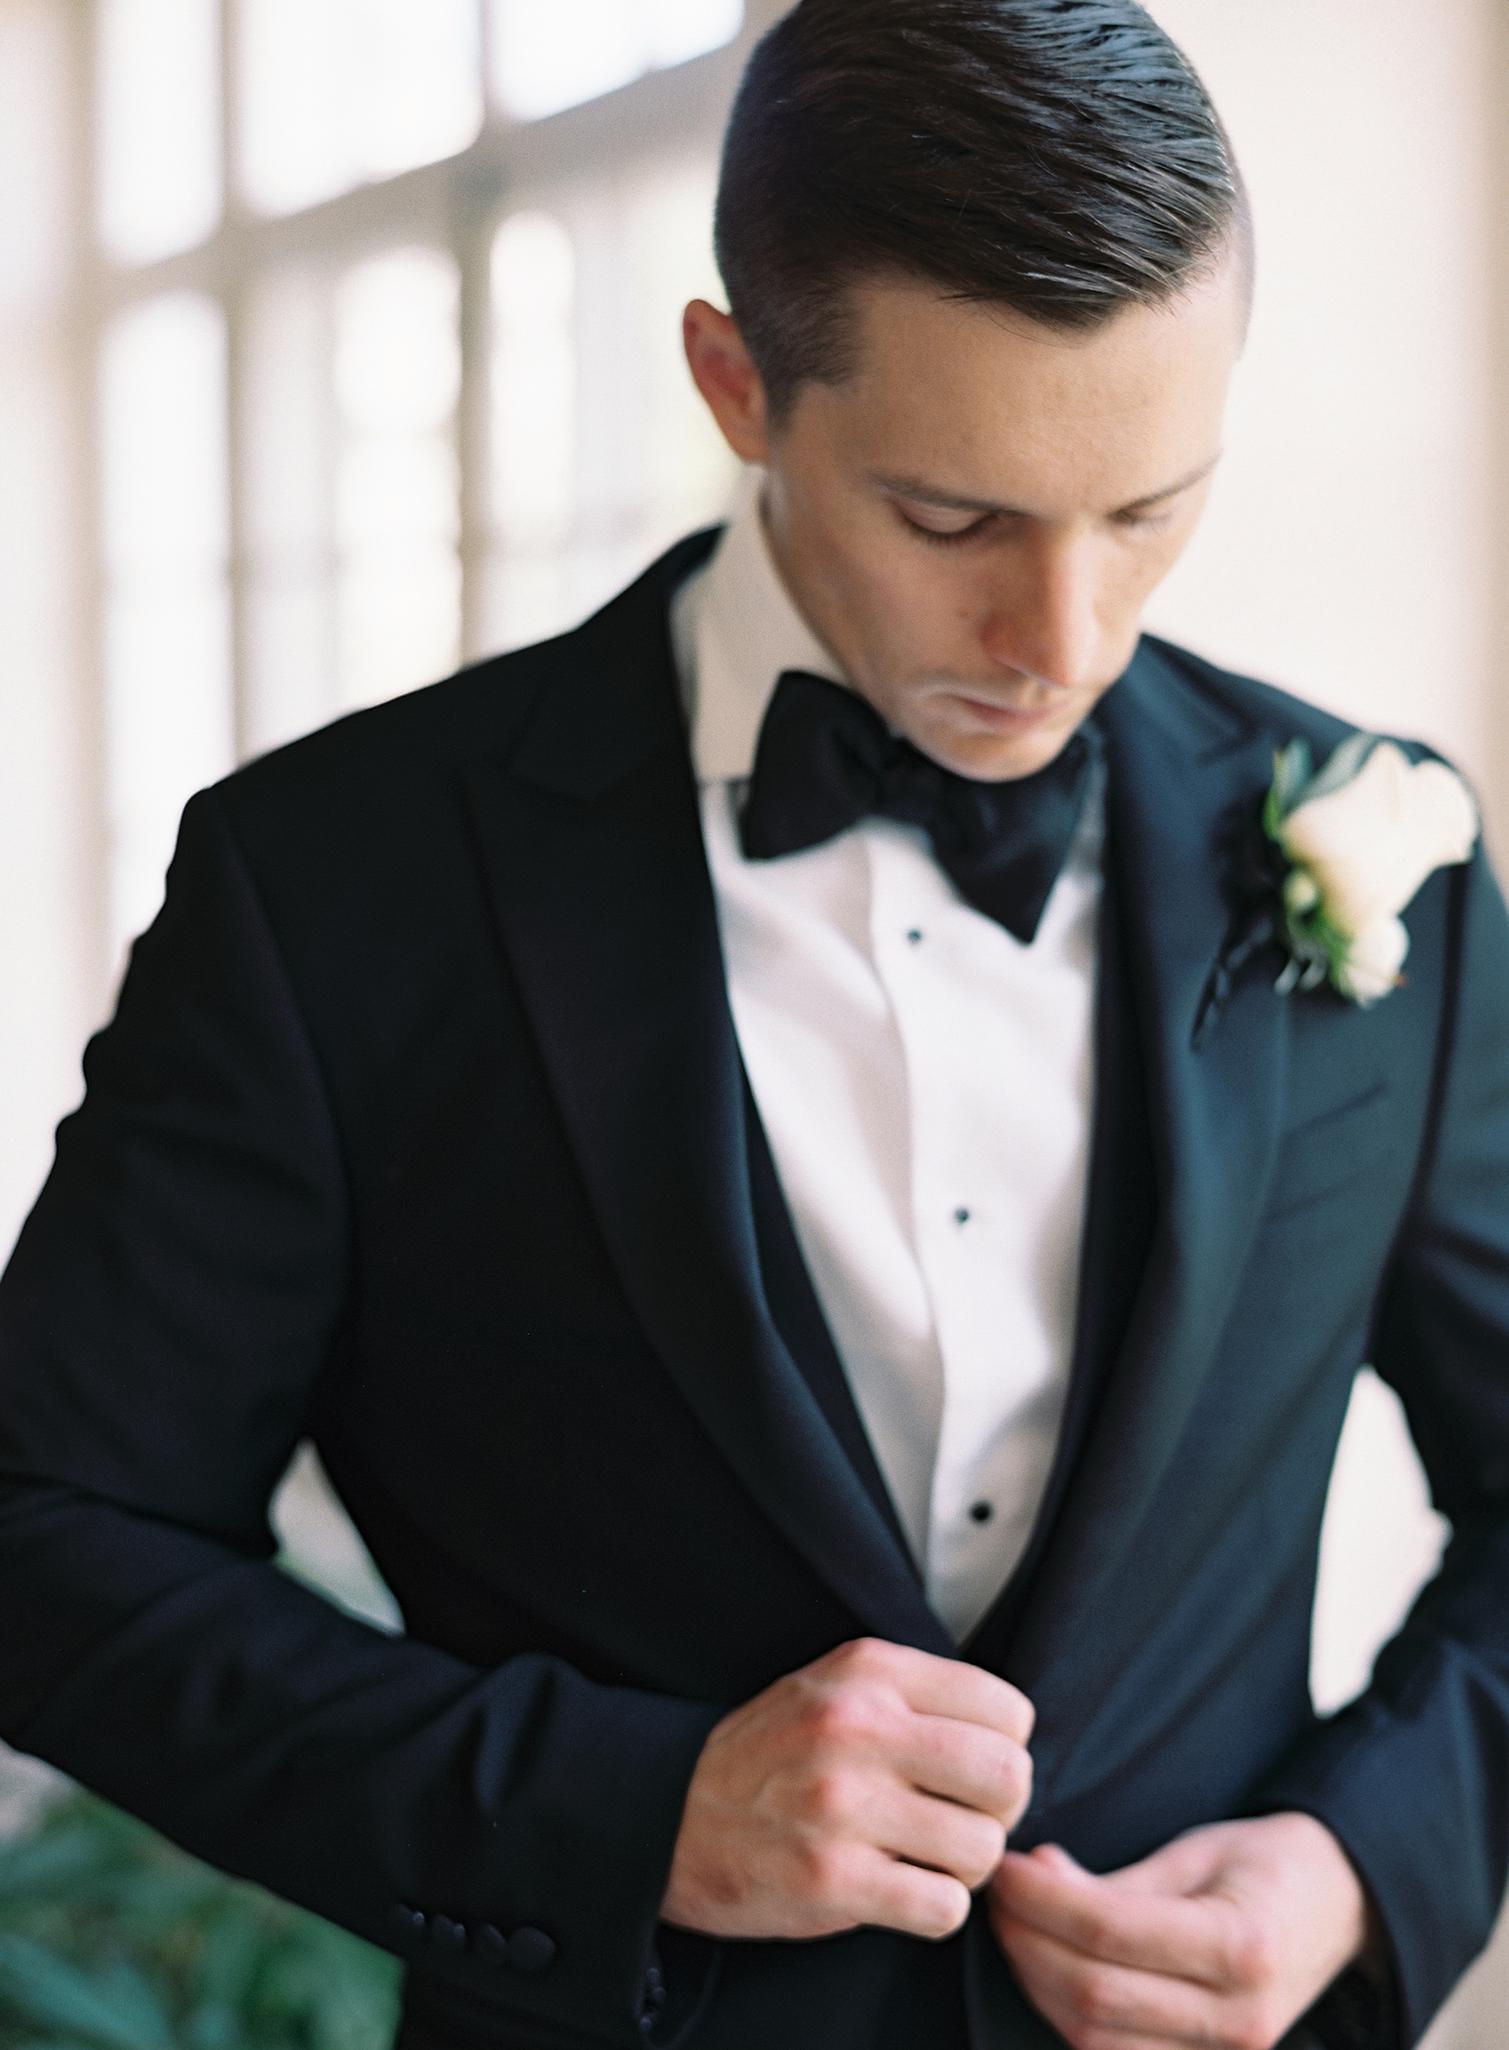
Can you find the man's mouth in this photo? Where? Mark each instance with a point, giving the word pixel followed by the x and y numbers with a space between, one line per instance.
pixel 1007 715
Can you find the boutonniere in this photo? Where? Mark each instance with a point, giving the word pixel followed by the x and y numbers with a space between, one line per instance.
pixel 1337 855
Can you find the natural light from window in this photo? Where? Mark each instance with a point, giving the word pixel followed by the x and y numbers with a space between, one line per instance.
pixel 601 450
pixel 397 486
pixel 158 126
pixel 546 58
pixel 533 404
pixel 168 717
pixel 336 93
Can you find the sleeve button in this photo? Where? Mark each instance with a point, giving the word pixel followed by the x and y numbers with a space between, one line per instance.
pixel 530 1950
pixel 492 1945
pixel 448 1935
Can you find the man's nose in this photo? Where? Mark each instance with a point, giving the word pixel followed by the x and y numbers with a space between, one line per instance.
pixel 1044 620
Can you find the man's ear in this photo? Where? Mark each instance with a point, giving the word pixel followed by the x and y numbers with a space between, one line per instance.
pixel 724 373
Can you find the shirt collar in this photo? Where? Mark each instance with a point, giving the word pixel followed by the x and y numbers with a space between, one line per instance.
pixel 735 628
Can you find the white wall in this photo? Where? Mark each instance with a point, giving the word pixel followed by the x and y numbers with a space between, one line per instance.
pixel 1352 541
pixel 1356 538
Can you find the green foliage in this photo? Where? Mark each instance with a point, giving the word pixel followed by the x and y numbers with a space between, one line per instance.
pixel 113 1939
pixel 1347 761
pixel 1318 948
pixel 1291 773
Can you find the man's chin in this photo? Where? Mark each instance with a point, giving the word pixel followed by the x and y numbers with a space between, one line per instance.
pixel 997 757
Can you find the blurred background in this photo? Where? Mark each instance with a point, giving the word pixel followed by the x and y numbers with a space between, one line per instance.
pixel 339 345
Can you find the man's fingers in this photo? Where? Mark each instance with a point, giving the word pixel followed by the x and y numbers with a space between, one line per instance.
pixel 1056 1858
pixel 962 1762
pixel 1079 1994
pixel 1186 1864
pixel 1200 1940
pixel 932 1684
pixel 890 1893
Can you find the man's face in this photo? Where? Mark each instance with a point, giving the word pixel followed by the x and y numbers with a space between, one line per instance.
pixel 986 635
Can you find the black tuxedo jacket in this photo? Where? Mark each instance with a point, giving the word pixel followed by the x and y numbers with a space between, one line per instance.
pixel 420 1130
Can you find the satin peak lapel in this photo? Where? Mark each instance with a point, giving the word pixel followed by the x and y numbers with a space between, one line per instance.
pixel 592 843
pixel 1182 764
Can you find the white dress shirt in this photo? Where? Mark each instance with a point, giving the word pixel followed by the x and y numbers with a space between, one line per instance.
pixel 925 1081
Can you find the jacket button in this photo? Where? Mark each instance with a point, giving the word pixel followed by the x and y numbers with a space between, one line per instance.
pixel 530 1950
pixel 492 1945
pixel 408 1921
pixel 448 1935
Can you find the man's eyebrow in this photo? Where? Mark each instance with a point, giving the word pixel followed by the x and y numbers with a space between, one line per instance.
pixel 951 501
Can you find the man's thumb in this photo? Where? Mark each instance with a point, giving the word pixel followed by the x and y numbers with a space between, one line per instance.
pixel 1057 1857
pixel 1181 1866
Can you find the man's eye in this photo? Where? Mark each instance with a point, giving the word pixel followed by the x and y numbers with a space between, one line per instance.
pixel 947 540
pixel 1141 523
pixel 1146 523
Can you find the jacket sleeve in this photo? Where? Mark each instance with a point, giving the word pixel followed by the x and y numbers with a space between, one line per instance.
pixel 1413 1776
pixel 174 1297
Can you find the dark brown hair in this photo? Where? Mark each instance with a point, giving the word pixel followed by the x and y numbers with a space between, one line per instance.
pixel 1060 157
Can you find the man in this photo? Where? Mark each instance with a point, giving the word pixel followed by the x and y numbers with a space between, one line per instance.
pixel 764 1145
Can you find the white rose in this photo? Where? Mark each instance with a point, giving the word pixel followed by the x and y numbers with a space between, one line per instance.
pixel 1371 844
pixel 1373 960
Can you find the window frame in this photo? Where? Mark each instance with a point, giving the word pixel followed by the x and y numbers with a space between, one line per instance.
pixel 453 205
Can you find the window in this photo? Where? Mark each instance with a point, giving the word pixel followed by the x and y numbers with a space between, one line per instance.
pixel 337 93
pixel 168 721
pixel 388 377
pixel 549 58
pixel 601 452
pixel 158 147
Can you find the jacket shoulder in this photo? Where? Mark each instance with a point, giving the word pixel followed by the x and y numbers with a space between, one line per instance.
pixel 1283 714
pixel 423 737
pixel 370 805
pixel 432 729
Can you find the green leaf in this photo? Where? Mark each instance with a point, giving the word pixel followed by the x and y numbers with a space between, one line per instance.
pixel 214 2027
pixel 1291 773
pixel 1343 765
pixel 135 2001
pixel 108 2010
pixel 51 2043
pixel 43 1865
pixel 1273 812
pixel 229 1956
pixel 357 2003
pixel 89 1888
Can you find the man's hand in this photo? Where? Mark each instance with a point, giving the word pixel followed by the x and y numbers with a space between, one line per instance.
pixel 1225 1937
pixel 821 1804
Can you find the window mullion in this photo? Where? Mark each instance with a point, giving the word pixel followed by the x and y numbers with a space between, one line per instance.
pixel 477 186
pixel 475 198
pixel 84 364
pixel 233 292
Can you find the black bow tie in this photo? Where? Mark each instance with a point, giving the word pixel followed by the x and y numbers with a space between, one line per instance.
pixel 826 759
